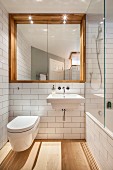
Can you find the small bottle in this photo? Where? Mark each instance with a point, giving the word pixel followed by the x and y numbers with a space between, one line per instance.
pixel 53 90
pixel 108 105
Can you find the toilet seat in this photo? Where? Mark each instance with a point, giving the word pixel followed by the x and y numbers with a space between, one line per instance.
pixel 22 124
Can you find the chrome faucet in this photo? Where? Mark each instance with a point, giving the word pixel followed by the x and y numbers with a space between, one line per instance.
pixel 63 89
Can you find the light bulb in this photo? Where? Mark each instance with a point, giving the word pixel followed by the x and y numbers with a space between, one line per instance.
pixel 65 17
pixel 30 17
pixel 31 22
pixel 64 22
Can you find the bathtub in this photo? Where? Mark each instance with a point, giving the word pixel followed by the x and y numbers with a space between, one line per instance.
pixel 100 139
pixel 108 128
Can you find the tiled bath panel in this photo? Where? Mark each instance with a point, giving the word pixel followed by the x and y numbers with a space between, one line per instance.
pixel 30 99
pixel 4 85
pixel 100 144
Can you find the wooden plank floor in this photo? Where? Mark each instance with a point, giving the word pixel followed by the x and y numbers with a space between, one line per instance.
pixel 73 157
pixel 47 155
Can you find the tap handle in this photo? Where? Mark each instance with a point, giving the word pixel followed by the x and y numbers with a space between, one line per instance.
pixel 67 88
pixel 59 88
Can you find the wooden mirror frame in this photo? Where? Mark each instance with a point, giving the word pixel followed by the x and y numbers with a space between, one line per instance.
pixel 15 19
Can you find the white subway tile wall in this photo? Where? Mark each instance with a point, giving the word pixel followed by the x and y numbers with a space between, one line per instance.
pixel 30 99
pixel 4 85
pixel 100 143
pixel 94 103
pixel 109 62
pixel 23 57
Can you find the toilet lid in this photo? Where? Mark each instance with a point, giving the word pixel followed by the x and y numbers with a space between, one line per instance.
pixel 22 123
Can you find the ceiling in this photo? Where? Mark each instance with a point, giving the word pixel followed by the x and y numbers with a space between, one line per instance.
pixel 60 6
pixel 46 6
pixel 60 39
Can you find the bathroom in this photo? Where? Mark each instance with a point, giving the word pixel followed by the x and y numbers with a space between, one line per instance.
pixel 73 105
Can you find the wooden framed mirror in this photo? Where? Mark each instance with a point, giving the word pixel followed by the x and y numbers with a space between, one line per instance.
pixel 53 25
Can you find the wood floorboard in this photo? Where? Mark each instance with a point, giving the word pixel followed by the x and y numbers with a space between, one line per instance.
pixel 5 151
pixel 73 157
pixel 49 156
pixel 32 156
pixel 52 155
pixel 15 160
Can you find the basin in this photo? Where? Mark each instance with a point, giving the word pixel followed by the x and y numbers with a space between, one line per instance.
pixel 65 100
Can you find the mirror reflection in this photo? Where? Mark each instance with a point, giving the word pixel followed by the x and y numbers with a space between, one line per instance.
pixel 48 52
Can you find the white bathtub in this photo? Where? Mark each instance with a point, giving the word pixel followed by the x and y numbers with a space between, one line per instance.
pixel 108 129
pixel 100 140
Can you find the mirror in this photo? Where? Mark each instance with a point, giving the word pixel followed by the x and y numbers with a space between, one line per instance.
pixel 43 51
pixel 47 51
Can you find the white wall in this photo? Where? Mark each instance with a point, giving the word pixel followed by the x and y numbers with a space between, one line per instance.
pixel 23 57
pixel 30 99
pixel 100 143
pixel 4 85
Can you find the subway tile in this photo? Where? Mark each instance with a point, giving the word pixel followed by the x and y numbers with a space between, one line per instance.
pixel 78 119
pixel 60 119
pixel 38 102
pixel 30 108
pixel 47 130
pixel 22 91
pixel 22 102
pixel 78 130
pixel 27 96
pixel 30 85
pixel 71 136
pixel 39 113
pixel 15 85
pixel 47 119
pixel 63 130
pixel 55 124
pixel 41 136
pixel 43 125
pixel 21 113
pixel 46 85
pixel 43 96
pixel 39 91
pixel 46 108
pixel 15 108
pixel 72 125
pixel 55 136
pixel 55 113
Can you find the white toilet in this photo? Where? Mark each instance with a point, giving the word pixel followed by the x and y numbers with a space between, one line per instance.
pixel 22 131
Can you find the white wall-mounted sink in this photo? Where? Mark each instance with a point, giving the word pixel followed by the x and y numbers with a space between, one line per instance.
pixel 64 100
